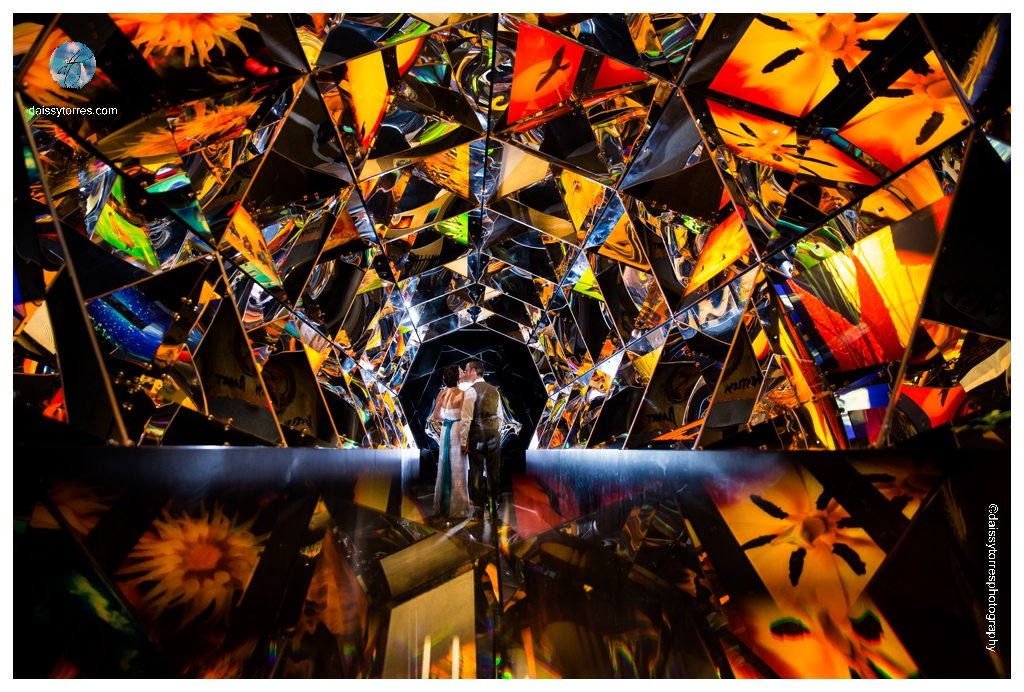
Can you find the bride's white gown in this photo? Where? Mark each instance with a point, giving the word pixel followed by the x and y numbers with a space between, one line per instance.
pixel 456 478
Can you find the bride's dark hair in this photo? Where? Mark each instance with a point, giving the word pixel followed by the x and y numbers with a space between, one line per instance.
pixel 450 376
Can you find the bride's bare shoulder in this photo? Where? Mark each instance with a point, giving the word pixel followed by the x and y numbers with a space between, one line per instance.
pixel 452 397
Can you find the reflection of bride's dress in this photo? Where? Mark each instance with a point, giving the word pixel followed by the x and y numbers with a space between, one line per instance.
pixel 451 494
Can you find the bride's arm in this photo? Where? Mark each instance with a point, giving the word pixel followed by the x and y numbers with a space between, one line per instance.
pixel 436 414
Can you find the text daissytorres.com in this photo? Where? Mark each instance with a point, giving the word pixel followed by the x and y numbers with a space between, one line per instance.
pixel 63 111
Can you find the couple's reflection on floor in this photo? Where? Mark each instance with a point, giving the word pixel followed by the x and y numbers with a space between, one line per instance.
pixel 482 527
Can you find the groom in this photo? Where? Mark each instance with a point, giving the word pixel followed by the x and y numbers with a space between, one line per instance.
pixel 480 427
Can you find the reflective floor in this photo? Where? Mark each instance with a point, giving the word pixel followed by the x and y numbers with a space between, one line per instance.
pixel 225 562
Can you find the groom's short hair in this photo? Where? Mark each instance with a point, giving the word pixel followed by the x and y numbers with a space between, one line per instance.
pixel 476 366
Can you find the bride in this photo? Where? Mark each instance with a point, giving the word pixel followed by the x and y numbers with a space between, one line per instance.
pixel 451 494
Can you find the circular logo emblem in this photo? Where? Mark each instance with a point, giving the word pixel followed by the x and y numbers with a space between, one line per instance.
pixel 72 65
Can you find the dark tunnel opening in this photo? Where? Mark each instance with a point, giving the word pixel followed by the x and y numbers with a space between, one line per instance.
pixel 510 367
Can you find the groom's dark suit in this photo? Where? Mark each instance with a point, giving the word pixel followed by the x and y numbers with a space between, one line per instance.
pixel 481 426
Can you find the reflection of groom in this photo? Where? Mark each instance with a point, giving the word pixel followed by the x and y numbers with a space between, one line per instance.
pixel 480 436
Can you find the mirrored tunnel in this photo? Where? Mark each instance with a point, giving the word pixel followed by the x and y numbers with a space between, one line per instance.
pixel 739 284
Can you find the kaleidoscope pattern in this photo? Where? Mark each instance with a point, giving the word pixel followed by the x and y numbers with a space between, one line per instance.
pixel 744 280
pixel 780 231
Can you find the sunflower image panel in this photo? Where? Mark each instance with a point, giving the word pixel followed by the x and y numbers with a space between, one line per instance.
pixel 188 571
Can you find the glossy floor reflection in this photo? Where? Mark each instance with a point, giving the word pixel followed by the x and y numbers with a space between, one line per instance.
pixel 225 562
